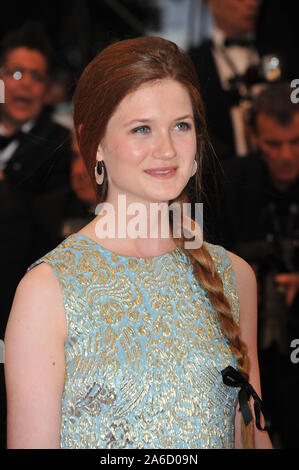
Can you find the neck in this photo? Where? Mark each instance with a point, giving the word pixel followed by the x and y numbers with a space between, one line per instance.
pixel 137 228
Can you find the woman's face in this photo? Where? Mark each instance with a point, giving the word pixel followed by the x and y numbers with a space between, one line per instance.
pixel 150 144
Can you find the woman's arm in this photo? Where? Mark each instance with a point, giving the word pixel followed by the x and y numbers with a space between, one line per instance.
pixel 247 295
pixel 34 362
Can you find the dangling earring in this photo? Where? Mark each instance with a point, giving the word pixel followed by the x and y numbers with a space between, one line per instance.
pixel 194 170
pixel 99 172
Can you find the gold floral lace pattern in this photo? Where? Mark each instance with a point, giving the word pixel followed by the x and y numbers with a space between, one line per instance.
pixel 144 350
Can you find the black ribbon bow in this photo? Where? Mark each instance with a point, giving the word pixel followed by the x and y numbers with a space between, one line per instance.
pixel 235 378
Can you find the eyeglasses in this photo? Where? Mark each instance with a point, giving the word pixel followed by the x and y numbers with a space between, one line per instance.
pixel 17 73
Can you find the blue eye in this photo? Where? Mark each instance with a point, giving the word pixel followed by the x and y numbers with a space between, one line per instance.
pixel 141 130
pixel 183 126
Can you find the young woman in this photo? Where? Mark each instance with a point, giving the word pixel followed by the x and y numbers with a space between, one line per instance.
pixel 120 341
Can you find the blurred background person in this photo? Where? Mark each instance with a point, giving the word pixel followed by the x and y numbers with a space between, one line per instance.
pixel 229 69
pixel 221 61
pixel 34 164
pixel 259 220
pixel 34 150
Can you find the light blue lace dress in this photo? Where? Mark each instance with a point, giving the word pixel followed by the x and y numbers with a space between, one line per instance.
pixel 144 350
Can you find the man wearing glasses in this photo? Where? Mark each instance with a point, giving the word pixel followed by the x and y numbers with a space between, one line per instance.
pixel 34 166
pixel 31 157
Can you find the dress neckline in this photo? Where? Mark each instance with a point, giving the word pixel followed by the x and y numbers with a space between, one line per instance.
pixel 113 253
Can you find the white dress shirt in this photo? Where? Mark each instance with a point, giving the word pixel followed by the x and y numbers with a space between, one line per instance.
pixel 230 61
pixel 7 152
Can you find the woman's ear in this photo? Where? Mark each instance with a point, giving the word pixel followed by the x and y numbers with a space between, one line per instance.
pixel 100 153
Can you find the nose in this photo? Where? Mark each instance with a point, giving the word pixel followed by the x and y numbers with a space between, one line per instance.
pixel 164 146
pixel 26 79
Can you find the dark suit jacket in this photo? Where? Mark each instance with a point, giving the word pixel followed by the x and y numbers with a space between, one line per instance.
pixel 41 163
pixel 260 224
pixel 244 218
pixel 216 100
pixel 33 196
pixel 40 170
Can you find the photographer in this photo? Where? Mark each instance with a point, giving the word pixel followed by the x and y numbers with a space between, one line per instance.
pixel 220 61
pixel 259 220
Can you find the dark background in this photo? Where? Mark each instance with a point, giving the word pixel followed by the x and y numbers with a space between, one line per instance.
pixel 79 29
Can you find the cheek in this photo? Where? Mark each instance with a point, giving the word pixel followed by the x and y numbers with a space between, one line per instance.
pixel 124 152
pixel 187 151
pixel 10 89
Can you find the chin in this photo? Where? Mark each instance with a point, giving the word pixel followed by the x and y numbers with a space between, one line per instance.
pixel 170 195
pixel 23 116
pixel 20 119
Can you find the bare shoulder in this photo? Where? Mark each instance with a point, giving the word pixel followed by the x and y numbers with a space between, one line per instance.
pixel 34 361
pixel 41 275
pixel 38 295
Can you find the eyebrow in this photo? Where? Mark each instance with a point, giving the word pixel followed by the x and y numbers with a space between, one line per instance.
pixel 187 116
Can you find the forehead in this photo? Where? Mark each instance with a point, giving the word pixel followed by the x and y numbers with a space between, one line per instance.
pixel 166 95
pixel 269 127
pixel 29 58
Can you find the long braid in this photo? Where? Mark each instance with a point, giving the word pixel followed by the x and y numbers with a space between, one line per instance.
pixel 208 277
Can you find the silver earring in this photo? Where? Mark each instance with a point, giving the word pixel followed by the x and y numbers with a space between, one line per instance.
pixel 194 170
pixel 99 172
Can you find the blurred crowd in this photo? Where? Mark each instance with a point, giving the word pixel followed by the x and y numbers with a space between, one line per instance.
pixel 46 193
pixel 254 205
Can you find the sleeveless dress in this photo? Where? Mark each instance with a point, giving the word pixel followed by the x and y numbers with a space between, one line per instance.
pixel 144 350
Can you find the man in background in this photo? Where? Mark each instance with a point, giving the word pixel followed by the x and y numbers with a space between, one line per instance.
pixel 34 152
pixel 220 61
pixel 259 220
pixel 34 166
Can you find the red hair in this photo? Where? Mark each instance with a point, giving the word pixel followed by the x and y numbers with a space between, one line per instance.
pixel 117 71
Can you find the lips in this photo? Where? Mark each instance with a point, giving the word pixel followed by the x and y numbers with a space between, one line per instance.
pixel 166 172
